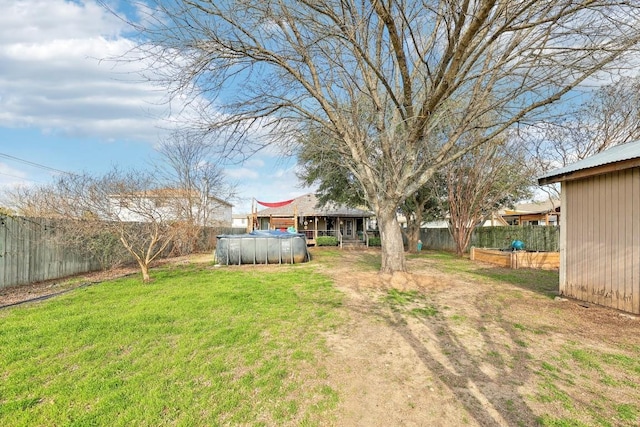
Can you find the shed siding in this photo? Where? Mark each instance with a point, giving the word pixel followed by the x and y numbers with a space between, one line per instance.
pixel 602 243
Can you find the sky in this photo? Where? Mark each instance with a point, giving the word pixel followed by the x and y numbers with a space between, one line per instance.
pixel 65 107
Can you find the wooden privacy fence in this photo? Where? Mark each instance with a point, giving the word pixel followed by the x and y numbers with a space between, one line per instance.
pixel 31 251
pixel 535 237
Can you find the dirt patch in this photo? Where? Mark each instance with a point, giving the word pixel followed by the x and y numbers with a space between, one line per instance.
pixel 473 352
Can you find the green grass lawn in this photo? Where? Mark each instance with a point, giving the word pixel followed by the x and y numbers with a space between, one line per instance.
pixel 198 346
pixel 540 281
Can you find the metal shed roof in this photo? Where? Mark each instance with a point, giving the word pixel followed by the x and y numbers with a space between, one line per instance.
pixel 615 154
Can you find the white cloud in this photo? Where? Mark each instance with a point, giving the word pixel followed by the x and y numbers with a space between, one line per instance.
pixel 10 176
pixel 30 21
pixel 56 75
pixel 242 173
pixel 8 170
pixel 254 162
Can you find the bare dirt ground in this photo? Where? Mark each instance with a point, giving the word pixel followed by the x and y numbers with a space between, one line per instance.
pixel 487 353
pixel 466 351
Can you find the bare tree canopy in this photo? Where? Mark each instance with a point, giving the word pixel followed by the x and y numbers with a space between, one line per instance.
pixel 479 184
pixel 609 116
pixel 382 79
pixel 190 165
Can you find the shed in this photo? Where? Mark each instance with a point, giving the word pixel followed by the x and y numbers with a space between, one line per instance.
pixel 600 228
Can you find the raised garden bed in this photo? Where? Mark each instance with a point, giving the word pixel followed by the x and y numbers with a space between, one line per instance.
pixel 517 259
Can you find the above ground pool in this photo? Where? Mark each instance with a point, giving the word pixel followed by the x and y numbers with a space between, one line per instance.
pixel 262 247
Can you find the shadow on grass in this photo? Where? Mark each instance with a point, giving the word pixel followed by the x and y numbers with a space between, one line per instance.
pixel 371 262
pixel 542 282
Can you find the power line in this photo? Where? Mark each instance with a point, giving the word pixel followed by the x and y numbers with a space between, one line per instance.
pixel 19 177
pixel 34 164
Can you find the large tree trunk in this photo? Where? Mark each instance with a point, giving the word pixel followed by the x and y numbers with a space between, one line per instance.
pixel 392 247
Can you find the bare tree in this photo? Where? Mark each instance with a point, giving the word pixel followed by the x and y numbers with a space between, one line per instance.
pixel 188 165
pixel 121 204
pixel 378 77
pixel 481 182
pixel 610 116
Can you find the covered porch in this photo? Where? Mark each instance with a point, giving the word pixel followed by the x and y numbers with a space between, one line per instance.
pixel 348 225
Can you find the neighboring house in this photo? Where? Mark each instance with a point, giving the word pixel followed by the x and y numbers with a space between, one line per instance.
pixel 600 228
pixel 240 221
pixel 347 224
pixel 534 213
pixel 172 204
pixel 493 220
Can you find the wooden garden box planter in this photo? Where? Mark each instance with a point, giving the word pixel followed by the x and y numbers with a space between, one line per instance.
pixel 517 259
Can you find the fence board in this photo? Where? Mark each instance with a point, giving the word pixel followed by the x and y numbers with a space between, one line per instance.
pixel 30 251
pixel 535 238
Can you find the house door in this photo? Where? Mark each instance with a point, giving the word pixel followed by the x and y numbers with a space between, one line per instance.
pixel 347 228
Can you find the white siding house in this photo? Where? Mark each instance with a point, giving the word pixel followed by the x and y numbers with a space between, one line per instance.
pixel 172 205
pixel 240 221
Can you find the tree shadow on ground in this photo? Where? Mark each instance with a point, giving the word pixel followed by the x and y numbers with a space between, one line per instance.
pixel 486 384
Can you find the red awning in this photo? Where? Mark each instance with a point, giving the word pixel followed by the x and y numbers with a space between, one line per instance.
pixel 275 204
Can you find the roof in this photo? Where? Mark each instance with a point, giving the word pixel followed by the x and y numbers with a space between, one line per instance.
pixel 625 155
pixel 532 208
pixel 306 205
pixel 169 193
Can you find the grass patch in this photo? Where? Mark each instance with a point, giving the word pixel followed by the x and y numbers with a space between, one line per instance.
pixel 325 255
pixel 540 281
pixel 411 302
pixel 627 412
pixel 549 392
pixel 519 327
pixel 424 311
pixel 585 358
pixel 195 347
pixel 396 297
pixel 578 368
pixel 548 421
pixel 370 262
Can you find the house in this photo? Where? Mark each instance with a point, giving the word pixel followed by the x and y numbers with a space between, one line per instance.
pixel 240 221
pixel 168 204
pixel 533 213
pixel 349 225
pixel 600 228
